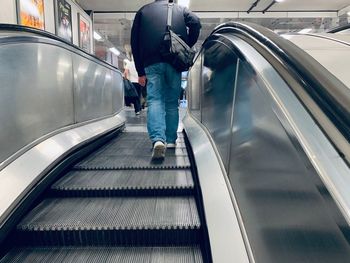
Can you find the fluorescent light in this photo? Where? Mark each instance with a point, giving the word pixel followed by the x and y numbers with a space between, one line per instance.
pixel 115 51
pixel 185 3
pixel 305 31
pixel 97 36
pixel 279 1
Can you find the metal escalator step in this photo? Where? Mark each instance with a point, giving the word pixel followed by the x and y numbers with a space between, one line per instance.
pixel 104 254
pixel 133 151
pixel 112 221
pixel 138 140
pixel 132 162
pixel 125 183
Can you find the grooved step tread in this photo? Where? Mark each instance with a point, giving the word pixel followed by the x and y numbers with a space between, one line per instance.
pixel 124 182
pixel 133 150
pixel 112 214
pixel 132 162
pixel 105 254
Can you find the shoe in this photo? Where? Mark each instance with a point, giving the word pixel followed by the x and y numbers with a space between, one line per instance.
pixel 171 145
pixel 158 150
pixel 137 113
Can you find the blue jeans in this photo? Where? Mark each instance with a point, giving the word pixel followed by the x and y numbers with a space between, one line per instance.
pixel 163 92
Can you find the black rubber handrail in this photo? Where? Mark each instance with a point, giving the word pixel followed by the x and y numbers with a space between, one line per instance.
pixel 331 95
pixel 339 28
pixel 19 28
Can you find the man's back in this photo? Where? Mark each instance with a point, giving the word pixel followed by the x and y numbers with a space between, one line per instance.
pixel 150 26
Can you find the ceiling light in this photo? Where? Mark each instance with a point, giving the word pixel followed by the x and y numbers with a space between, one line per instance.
pixel 185 3
pixel 348 13
pixel 97 36
pixel 279 1
pixel 115 51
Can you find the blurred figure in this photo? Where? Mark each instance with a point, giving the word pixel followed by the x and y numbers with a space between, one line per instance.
pixel 163 81
pixel 130 73
pixel 131 96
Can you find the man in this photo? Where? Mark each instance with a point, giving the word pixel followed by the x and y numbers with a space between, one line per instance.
pixel 163 81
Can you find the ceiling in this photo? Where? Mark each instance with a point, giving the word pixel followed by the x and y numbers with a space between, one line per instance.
pixel 220 5
pixel 113 18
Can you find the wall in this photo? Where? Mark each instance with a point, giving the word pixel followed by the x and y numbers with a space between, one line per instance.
pixel 8 12
pixel 8 15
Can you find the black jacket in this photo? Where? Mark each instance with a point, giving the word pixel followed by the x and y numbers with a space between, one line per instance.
pixel 149 28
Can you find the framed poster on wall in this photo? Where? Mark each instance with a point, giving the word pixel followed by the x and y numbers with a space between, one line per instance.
pixel 31 13
pixel 63 20
pixel 84 33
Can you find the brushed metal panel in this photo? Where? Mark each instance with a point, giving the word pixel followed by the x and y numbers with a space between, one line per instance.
pixel 274 186
pixel 194 88
pixel 92 90
pixel 117 92
pixel 225 235
pixel 36 93
pixel 288 213
pixel 18 178
pixel 218 82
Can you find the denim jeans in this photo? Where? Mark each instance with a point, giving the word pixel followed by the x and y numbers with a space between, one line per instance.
pixel 163 92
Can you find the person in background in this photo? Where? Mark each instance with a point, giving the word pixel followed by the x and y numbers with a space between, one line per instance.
pixel 130 73
pixel 131 96
pixel 163 81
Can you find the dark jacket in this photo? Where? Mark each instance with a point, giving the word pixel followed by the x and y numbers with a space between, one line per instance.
pixel 149 27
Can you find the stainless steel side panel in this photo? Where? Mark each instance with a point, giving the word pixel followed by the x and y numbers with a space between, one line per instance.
pixel 288 184
pixel 46 86
pixel 35 93
pixel 117 92
pixel 20 176
pixel 218 86
pixel 225 237
pixel 92 90
pixel 194 88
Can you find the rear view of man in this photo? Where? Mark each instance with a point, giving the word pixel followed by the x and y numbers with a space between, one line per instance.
pixel 163 81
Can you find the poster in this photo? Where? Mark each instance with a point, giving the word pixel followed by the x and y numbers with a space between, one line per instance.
pixel 63 20
pixel 84 33
pixel 31 13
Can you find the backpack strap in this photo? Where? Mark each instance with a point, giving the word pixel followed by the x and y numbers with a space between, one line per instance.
pixel 170 15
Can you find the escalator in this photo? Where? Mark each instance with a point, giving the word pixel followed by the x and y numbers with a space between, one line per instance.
pixel 116 206
pixel 261 174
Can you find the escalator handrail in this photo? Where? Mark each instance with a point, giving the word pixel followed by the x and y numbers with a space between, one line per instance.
pixel 46 34
pixel 339 28
pixel 331 95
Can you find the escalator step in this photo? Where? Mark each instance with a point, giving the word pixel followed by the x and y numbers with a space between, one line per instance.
pixel 125 183
pixel 105 254
pixel 133 151
pixel 132 162
pixel 111 221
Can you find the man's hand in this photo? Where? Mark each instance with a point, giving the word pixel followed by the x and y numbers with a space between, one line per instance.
pixel 142 81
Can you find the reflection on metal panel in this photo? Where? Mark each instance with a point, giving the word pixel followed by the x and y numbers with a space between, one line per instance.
pixel 218 80
pixel 117 92
pixel 36 94
pixel 284 213
pixel 194 88
pixel 285 175
pixel 92 91
pixel 47 86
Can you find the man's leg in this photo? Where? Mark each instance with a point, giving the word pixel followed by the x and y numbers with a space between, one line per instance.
pixel 172 95
pixel 156 104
